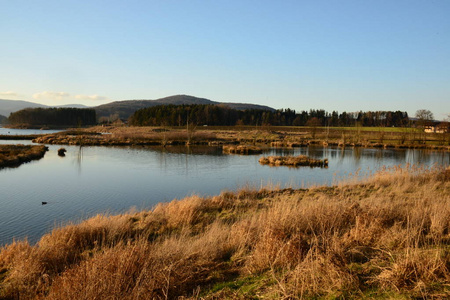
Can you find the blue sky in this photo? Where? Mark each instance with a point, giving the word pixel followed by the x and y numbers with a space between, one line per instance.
pixel 333 55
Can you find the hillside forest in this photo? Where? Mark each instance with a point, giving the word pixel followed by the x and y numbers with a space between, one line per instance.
pixel 216 115
pixel 53 117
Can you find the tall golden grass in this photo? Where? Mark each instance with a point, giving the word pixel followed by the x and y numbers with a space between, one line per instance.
pixel 385 237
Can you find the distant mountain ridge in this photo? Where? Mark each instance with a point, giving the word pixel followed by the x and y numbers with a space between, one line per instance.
pixel 126 108
pixel 9 106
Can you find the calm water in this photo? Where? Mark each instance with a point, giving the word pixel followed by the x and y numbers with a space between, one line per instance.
pixel 93 180
pixel 11 131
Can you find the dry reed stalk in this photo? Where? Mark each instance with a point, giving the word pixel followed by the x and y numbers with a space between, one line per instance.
pixel 142 271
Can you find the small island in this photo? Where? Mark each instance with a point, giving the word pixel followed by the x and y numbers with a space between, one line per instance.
pixel 15 155
pixel 293 161
pixel 241 149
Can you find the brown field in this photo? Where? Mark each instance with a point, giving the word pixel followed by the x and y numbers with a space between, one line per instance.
pixel 381 238
pixel 15 155
pixel 248 135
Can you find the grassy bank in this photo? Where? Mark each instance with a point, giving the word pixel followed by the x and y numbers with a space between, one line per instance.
pixel 15 155
pixel 387 237
pixel 242 135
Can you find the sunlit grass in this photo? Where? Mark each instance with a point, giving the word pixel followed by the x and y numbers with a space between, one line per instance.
pixel 263 136
pixel 384 236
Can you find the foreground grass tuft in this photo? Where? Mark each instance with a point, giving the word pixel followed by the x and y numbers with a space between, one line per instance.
pixel 387 237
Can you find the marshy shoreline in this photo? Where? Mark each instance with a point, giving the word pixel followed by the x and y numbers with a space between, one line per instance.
pixel 397 138
pixel 385 237
pixel 15 155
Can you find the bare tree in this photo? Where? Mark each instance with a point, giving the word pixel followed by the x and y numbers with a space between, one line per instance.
pixel 424 116
pixel 313 123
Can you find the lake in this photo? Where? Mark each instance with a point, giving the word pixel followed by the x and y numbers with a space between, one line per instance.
pixel 91 180
pixel 12 131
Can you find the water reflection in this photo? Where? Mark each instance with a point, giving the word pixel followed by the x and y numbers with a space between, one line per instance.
pixel 180 149
pixel 357 153
pixel 12 131
pixel 79 158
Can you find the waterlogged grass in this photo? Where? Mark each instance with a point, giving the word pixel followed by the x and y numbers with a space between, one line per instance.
pixel 293 161
pixel 277 136
pixel 385 237
pixel 15 155
pixel 242 149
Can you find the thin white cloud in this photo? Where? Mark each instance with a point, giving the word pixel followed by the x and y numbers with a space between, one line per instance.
pixel 46 95
pixel 9 94
pixel 90 97
pixel 444 116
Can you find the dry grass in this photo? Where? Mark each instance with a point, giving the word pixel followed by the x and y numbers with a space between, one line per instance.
pixel 14 155
pixel 388 237
pixel 293 161
pixel 241 149
pixel 127 136
pixel 275 136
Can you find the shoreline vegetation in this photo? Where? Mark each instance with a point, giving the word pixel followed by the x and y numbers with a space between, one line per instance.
pixel 19 136
pixel 15 155
pixel 387 236
pixel 382 137
pixel 241 149
pixel 293 161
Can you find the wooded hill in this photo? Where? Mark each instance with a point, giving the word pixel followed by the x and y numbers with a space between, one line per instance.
pixel 225 114
pixel 31 117
pixel 214 115
pixel 124 109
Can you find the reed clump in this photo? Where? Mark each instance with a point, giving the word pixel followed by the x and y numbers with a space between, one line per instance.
pixel 385 237
pixel 15 155
pixel 241 149
pixel 293 161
